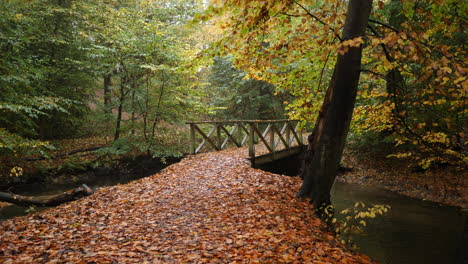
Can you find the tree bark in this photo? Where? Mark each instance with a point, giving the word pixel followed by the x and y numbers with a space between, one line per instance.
pixel 51 200
pixel 107 93
pixel 326 143
pixel 118 121
pixel 462 252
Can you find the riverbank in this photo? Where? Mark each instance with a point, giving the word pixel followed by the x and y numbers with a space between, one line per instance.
pixel 448 186
pixel 83 160
pixel 208 208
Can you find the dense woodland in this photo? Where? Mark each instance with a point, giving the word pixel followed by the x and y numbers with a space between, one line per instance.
pixel 385 79
pixel 130 73
pixel 134 71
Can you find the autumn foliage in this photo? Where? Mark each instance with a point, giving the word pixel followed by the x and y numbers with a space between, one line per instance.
pixel 413 85
pixel 209 208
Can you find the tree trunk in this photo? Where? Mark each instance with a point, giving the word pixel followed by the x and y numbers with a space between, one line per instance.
pixel 326 143
pixel 107 93
pixel 51 200
pixel 462 250
pixel 42 127
pixel 132 131
pixel 120 109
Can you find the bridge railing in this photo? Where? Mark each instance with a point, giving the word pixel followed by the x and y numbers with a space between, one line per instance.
pixel 273 134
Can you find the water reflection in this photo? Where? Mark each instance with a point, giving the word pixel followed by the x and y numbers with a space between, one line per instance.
pixel 413 231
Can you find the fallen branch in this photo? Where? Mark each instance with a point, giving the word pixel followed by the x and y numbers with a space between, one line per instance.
pixel 49 200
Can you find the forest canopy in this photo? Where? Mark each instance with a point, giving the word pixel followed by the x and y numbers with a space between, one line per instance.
pixel 413 84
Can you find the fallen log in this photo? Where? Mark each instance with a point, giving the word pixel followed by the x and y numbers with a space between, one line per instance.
pixel 48 200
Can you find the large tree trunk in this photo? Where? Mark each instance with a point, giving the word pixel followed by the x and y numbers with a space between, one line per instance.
pixel 462 252
pixel 50 200
pixel 326 143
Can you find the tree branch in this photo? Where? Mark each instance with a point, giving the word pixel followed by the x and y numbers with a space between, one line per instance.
pixel 397 31
pixel 372 72
pixel 384 25
pixel 318 19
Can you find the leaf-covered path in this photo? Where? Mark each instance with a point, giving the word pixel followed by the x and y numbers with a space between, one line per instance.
pixel 209 208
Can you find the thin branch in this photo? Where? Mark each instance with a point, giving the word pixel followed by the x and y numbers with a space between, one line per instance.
pixel 397 31
pixel 393 81
pixel 324 65
pixel 318 19
pixel 372 72
pixel 384 25
pixel 384 48
pixel 323 70
pixel 286 14
pixel 403 122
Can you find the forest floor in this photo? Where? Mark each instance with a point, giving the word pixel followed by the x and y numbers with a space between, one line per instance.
pixel 208 208
pixel 446 185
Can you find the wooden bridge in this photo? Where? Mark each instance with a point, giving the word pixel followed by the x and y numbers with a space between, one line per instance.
pixel 275 139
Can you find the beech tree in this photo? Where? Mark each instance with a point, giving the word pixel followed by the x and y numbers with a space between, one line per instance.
pixel 327 141
pixel 409 69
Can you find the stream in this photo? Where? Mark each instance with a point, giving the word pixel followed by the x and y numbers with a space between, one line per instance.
pixel 412 232
pixel 125 172
pixel 41 189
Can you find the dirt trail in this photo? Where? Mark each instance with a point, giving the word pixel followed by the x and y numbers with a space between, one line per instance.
pixel 209 208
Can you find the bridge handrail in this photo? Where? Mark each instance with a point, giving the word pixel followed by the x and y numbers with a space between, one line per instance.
pixel 241 121
pixel 247 131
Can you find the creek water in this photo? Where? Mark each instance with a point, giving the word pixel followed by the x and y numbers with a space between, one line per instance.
pixel 10 211
pixel 412 232
pixel 126 171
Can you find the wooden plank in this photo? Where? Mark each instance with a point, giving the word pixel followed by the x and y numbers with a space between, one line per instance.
pixel 251 140
pixel 192 139
pixel 299 141
pixel 230 137
pixel 247 133
pixel 284 129
pixel 219 140
pixel 204 141
pixel 239 139
pixel 262 159
pixel 267 129
pixel 237 121
pixel 272 139
pixel 207 138
pixel 281 137
pixel 300 134
pixel 262 138
pixel 239 133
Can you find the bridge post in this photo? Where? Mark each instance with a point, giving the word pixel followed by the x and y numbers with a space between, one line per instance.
pixel 239 132
pixel 301 137
pixel 251 140
pixel 218 135
pixel 192 139
pixel 272 139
